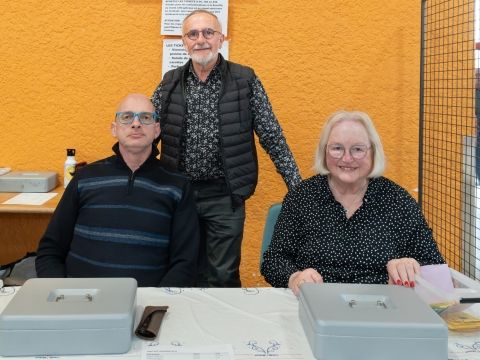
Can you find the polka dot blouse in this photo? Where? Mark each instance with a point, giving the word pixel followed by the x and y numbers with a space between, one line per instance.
pixel 313 231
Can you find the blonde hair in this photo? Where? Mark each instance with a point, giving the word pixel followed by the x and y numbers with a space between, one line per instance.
pixel 320 165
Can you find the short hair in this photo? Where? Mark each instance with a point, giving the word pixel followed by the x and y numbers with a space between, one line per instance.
pixel 320 165
pixel 203 11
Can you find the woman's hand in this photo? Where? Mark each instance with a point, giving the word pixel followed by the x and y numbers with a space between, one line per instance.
pixel 300 277
pixel 402 271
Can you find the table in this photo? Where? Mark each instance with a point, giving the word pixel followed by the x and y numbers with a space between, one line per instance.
pixel 22 226
pixel 260 323
pixel 257 322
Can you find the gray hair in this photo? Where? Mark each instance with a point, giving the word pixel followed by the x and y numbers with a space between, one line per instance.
pixel 320 165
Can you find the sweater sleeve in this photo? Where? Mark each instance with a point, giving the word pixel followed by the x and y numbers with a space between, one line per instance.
pixel 184 244
pixel 55 243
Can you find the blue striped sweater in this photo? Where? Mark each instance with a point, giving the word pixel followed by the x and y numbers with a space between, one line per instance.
pixel 112 222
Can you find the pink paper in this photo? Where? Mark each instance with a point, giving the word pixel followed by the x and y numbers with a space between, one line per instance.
pixel 439 276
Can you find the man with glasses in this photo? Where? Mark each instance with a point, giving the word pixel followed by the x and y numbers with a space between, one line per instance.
pixel 209 110
pixel 125 216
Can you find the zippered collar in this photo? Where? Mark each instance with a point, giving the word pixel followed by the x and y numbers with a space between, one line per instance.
pixel 147 163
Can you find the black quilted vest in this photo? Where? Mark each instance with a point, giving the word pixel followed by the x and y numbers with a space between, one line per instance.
pixel 238 150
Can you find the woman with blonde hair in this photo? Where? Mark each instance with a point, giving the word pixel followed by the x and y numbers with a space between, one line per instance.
pixel 348 223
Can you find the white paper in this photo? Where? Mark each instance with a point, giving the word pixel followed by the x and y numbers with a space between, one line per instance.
pixel 174 11
pixel 175 55
pixel 155 351
pixel 4 170
pixel 30 199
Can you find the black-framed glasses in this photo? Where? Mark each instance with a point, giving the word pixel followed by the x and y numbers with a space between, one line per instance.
pixel 128 117
pixel 207 33
pixel 358 152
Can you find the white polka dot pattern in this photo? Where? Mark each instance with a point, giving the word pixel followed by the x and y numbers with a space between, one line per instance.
pixel 313 231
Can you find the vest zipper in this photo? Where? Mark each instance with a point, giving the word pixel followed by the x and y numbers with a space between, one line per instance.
pixel 222 154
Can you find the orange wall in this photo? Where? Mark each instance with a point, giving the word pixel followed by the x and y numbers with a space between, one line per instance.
pixel 65 64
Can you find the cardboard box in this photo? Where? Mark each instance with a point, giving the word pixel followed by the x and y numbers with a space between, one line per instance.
pixel 28 181
pixel 69 317
pixel 374 322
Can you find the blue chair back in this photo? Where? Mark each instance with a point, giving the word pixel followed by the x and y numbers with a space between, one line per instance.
pixel 272 217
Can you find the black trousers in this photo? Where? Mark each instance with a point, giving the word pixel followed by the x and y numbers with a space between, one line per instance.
pixel 221 233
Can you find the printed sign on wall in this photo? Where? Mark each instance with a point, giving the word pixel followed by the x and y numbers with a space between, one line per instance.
pixel 174 11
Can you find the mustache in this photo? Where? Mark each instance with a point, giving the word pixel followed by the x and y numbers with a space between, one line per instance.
pixel 201 47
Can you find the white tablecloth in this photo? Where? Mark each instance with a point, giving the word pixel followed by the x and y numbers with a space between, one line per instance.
pixel 260 323
pixel 257 322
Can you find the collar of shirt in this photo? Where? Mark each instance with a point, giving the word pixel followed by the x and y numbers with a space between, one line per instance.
pixel 214 73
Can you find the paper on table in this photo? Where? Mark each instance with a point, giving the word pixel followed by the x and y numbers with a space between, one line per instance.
pixel 4 170
pixel 30 199
pixel 155 351
pixel 439 276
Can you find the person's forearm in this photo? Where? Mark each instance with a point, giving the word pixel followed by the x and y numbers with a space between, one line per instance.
pixel 181 275
pixel 49 266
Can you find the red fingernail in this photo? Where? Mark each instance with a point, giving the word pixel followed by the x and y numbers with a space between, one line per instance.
pixel 412 283
pixel 405 283
pixel 399 282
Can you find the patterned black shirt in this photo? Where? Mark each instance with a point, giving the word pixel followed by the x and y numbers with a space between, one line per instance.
pixel 201 155
pixel 313 231
pixel 200 158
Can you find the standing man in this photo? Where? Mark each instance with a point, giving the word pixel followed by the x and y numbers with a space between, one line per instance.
pixel 125 216
pixel 209 110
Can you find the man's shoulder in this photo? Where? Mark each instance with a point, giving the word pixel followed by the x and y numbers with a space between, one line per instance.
pixel 164 181
pixel 95 166
pixel 169 75
pixel 239 70
pixel 174 73
pixel 171 173
pixel 163 174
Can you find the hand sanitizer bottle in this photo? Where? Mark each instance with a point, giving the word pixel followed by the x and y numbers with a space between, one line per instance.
pixel 69 167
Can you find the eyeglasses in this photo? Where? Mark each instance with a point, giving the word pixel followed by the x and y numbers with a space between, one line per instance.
pixel 207 33
pixel 357 152
pixel 127 117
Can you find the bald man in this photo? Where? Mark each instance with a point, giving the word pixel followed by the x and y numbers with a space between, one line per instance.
pixel 125 216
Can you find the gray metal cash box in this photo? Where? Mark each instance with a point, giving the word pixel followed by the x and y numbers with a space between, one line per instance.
pixel 28 181
pixel 374 322
pixel 69 316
